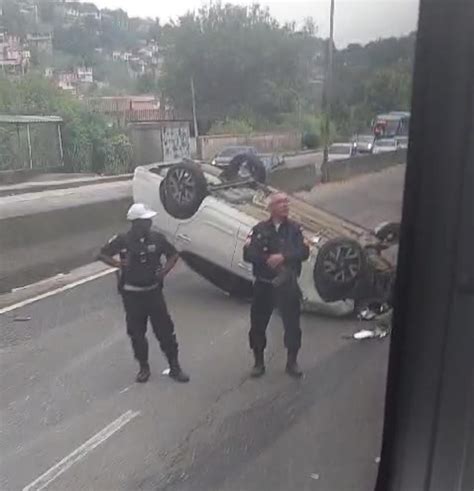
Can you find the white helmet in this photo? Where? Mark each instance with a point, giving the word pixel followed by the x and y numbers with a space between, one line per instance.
pixel 139 211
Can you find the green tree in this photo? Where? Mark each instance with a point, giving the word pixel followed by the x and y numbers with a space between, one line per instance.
pixel 146 84
pixel 154 32
pixel 389 89
pixel 240 58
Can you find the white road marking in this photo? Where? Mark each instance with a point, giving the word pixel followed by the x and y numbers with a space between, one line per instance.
pixel 62 466
pixel 61 289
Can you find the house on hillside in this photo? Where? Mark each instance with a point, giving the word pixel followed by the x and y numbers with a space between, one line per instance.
pixel 66 81
pixel 118 17
pixel 29 11
pixel 40 42
pixel 14 58
pixel 73 81
pixel 79 10
pixel 121 56
pixel 85 75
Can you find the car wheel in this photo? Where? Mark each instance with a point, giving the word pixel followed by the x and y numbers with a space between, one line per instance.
pixel 245 167
pixel 388 232
pixel 183 190
pixel 339 265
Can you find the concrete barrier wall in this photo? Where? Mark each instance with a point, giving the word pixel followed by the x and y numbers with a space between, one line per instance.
pixel 8 177
pixel 340 170
pixel 209 146
pixel 40 245
pixel 293 179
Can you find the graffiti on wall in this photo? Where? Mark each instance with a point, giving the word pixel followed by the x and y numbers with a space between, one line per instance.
pixel 176 143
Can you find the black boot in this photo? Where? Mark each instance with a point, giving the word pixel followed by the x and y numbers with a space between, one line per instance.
pixel 144 374
pixel 292 367
pixel 259 368
pixel 176 373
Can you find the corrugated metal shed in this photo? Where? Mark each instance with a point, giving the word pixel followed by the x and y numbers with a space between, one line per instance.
pixel 23 119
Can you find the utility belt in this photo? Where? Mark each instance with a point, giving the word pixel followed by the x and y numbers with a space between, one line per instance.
pixel 124 286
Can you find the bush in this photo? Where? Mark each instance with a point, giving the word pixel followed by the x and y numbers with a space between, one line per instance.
pixel 311 140
pixel 231 127
pixel 84 133
pixel 118 155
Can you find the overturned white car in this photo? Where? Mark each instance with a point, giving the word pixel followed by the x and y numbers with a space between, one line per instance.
pixel 208 213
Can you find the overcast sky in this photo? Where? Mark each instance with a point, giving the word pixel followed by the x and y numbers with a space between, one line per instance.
pixel 355 20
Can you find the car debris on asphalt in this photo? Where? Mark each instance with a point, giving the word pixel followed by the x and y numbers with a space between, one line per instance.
pixel 377 333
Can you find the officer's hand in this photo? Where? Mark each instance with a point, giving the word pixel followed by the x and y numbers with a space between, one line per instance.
pixel 275 260
pixel 115 263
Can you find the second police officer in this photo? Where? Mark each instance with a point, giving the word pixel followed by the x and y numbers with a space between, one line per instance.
pixel 276 248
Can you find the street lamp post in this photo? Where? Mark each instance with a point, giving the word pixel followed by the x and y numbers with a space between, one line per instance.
pixel 193 95
pixel 328 85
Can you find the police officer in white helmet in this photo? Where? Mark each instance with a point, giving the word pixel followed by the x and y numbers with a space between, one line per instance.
pixel 138 255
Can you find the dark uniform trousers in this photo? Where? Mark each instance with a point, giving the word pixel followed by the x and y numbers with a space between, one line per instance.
pixel 141 306
pixel 265 298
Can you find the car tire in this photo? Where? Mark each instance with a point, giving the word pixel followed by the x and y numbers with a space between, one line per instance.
pixel 339 266
pixel 183 190
pixel 254 169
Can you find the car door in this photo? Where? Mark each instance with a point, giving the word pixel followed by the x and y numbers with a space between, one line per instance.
pixel 239 266
pixel 210 234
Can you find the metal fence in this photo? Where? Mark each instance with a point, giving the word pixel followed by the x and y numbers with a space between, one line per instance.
pixel 30 143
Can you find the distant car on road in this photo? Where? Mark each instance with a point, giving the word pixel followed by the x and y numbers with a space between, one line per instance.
pixel 364 143
pixel 225 157
pixel 385 145
pixel 341 151
pixel 402 142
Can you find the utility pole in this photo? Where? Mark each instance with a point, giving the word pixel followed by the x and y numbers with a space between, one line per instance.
pixel 193 94
pixel 328 85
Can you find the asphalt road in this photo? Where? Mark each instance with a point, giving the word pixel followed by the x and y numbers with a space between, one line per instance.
pixel 367 199
pixel 72 417
pixel 67 373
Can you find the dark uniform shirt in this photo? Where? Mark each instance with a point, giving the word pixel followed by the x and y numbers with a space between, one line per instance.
pixel 141 259
pixel 266 239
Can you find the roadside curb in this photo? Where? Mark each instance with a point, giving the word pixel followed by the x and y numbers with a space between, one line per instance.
pixel 302 152
pixel 49 186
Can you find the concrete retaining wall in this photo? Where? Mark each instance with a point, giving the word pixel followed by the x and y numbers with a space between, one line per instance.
pixel 340 170
pixel 209 146
pixel 159 141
